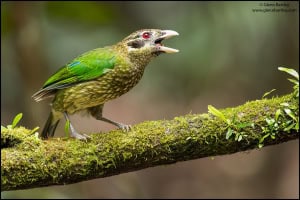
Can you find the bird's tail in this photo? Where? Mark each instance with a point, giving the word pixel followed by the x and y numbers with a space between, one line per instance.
pixel 50 126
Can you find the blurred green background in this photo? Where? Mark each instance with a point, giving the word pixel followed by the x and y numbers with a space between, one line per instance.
pixel 228 55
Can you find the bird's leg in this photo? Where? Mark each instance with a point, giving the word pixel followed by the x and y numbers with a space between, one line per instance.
pixel 96 112
pixel 74 133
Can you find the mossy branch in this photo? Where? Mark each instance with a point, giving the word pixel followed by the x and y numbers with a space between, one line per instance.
pixel 28 162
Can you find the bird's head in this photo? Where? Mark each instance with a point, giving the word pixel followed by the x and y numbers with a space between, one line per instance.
pixel 149 42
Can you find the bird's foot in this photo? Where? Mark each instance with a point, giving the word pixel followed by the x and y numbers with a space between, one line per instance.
pixel 74 133
pixel 124 127
pixel 80 136
pixel 77 135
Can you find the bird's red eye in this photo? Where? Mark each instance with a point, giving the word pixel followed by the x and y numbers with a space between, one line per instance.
pixel 146 35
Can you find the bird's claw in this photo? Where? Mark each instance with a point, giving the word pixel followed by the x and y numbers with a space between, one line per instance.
pixel 125 127
pixel 80 136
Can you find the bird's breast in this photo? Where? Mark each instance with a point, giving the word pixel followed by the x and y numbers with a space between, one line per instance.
pixel 121 79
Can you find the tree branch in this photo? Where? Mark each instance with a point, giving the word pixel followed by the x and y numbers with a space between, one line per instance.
pixel 28 162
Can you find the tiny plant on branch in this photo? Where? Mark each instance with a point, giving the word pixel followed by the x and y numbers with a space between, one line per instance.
pixel 284 119
pixel 14 123
pixel 295 74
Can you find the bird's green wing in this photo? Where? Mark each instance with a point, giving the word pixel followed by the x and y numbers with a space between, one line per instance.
pixel 86 67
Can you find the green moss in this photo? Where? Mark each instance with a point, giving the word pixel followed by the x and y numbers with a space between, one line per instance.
pixel 32 162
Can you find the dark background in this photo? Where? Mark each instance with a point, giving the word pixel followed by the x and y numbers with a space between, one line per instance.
pixel 228 55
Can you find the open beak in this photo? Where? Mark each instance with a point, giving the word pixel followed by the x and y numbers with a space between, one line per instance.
pixel 165 35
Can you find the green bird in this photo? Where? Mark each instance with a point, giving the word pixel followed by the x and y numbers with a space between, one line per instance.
pixel 97 76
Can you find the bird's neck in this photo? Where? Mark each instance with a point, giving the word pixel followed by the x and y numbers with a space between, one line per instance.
pixel 139 58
